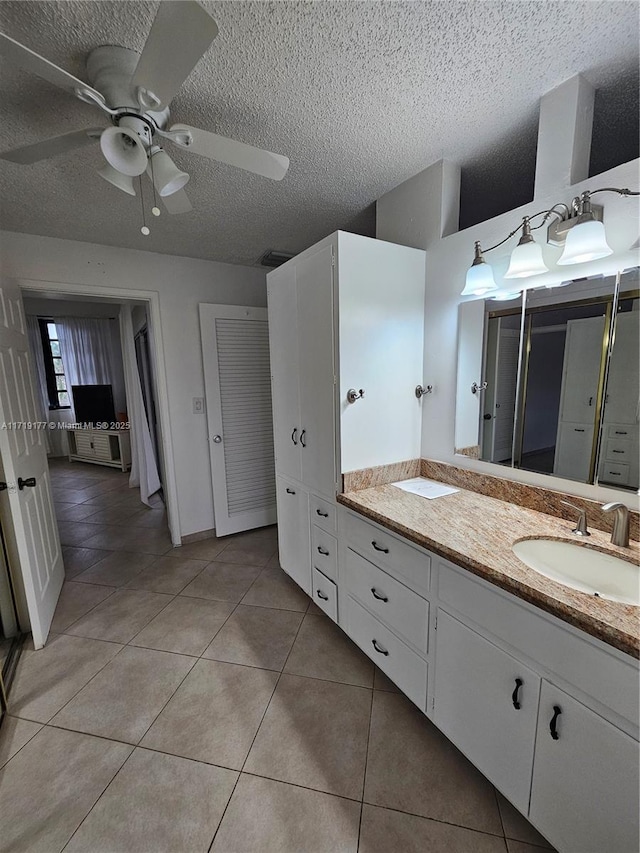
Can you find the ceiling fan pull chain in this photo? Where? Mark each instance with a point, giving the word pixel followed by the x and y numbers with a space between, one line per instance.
pixel 155 209
pixel 145 228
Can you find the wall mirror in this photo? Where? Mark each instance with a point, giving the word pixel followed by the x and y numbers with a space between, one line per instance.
pixel 557 380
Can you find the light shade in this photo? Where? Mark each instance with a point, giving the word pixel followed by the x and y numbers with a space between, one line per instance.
pixel 123 150
pixel 526 260
pixel 586 241
pixel 122 182
pixel 167 178
pixel 506 295
pixel 479 280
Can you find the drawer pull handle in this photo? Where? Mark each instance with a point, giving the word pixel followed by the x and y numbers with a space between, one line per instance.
pixel 290 492
pixel 553 725
pixel 377 595
pixel 294 436
pixel 321 595
pixel 380 649
pixel 617 451
pixel 614 474
pixel 575 429
pixel 514 695
pixel 620 432
pixel 322 514
pixel 378 548
pixel 302 435
pixel 323 551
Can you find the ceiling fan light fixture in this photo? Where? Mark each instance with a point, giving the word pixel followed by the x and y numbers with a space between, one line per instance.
pixel 123 150
pixel 167 178
pixel 113 176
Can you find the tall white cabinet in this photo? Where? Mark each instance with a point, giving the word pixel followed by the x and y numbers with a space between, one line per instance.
pixel 345 314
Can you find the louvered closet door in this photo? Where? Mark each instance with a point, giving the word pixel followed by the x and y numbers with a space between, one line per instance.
pixel 235 349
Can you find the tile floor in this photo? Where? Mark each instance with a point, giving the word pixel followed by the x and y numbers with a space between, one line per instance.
pixel 193 699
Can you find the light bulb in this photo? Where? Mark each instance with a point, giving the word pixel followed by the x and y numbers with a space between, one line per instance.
pixel 145 230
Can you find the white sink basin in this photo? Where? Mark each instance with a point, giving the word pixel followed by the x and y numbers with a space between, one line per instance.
pixel 581 568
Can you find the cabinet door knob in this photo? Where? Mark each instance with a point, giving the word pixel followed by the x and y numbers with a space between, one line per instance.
pixel 321 595
pixel 290 491
pixel 553 725
pixel 380 649
pixel 514 695
pixel 294 436
pixel 377 595
pixel 379 548
pixel 323 551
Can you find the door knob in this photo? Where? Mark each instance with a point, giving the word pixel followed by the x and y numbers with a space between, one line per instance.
pixel 217 439
pixel 3 486
pixel 30 481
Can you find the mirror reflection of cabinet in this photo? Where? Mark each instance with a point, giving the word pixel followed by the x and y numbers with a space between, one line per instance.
pixel 575 412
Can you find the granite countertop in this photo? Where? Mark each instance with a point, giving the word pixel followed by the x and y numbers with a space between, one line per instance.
pixel 477 532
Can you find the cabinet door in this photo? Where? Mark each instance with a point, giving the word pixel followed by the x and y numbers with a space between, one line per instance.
pixel 581 370
pixel 102 446
pixel 314 282
pixel 486 702
pixel 621 404
pixel 84 443
pixel 584 797
pixel 573 451
pixel 293 532
pixel 283 348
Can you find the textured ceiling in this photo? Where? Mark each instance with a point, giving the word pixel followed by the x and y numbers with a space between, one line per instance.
pixel 359 95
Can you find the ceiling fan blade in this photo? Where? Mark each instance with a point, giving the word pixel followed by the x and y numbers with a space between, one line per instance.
pixel 52 147
pixel 246 157
pixel 30 61
pixel 177 202
pixel 180 34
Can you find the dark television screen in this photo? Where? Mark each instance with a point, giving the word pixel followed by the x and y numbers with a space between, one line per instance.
pixel 93 403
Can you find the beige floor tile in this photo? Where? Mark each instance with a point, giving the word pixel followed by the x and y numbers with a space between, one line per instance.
pixel 75 532
pixel 76 560
pixel 117 569
pixel 215 714
pixel 254 548
pixel 517 827
pixel 107 536
pixel 167 574
pixel 47 679
pixel 382 682
pixel 222 581
pixel 384 831
pixel 114 498
pixel 14 734
pixel 69 496
pixel 74 512
pixel 121 616
pixel 157 803
pixel 314 610
pixel 271 817
pixel 323 650
pixel 77 599
pixel 185 626
pixel 148 541
pixel 274 588
pixel 206 549
pixel 124 699
pixel 256 636
pixel 314 734
pixel 118 514
pixel 408 756
pixel 156 518
pixel 522 847
pixel 51 784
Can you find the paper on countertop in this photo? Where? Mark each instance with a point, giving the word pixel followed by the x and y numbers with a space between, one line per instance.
pixel 425 488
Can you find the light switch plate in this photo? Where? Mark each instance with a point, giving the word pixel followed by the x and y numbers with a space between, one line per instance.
pixel 198 405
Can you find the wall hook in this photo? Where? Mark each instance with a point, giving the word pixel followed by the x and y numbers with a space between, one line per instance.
pixel 353 395
pixel 475 388
pixel 420 391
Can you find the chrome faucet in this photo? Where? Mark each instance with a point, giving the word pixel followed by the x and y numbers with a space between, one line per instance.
pixel 581 524
pixel 620 534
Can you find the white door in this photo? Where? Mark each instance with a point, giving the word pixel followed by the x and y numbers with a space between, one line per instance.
pixel 293 532
pixel 314 283
pixel 31 526
pixel 235 350
pixel 505 380
pixel 283 342
pixel 581 370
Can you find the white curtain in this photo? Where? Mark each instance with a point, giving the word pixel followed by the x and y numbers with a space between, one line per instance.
pixel 86 349
pixel 144 469
pixel 42 396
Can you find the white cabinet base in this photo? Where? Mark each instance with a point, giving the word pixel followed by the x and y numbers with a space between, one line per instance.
pixel 100 447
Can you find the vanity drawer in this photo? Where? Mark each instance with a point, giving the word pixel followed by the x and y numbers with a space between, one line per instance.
pixel 613 472
pixel 324 552
pixel 387 551
pixel 395 659
pixel 325 594
pixel 323 514
pixel 397 605
pixel 621 431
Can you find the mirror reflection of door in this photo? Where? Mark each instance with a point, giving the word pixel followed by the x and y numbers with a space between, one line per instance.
pixel 501 370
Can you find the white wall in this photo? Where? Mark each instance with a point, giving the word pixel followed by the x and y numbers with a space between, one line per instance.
pixel 182 283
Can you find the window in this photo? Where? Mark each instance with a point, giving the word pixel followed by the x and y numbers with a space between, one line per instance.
pixel 59 397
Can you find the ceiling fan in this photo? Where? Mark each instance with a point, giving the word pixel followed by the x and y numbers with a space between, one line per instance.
pixel 135 91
